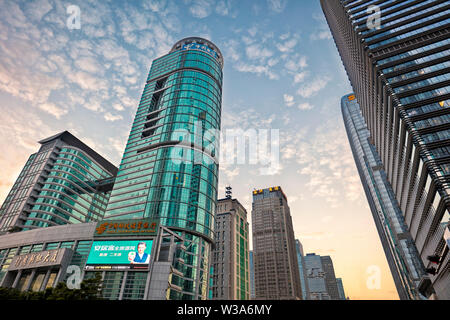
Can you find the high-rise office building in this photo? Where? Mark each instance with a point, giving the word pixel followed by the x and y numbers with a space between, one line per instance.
pixel 169 168
pixel 341 291
pixel 396 57
pixel 252 275
pixel 302 269
pixel 64 182
pixel 401 254
pixel 316 277
pixel 274 253
pixel 330 277
pixel 230 256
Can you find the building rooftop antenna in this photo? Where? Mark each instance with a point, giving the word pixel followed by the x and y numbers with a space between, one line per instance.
pixel 228 192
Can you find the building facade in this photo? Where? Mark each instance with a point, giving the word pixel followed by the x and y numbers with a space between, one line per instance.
pixel 230 256
pixel 330 277
pixel 396 57
pixel 302 269
pixel 169 168
pixel 403 258
pixel 341 291
pixel 41 258
pixel 316 277
pixel 274 253
pixel 252 275
pixel 64 182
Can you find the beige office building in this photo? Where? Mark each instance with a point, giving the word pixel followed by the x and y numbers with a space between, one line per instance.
pixel 274 253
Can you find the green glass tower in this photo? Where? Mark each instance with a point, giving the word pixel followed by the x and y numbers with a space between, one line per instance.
pixel 169 169
pixel 64 182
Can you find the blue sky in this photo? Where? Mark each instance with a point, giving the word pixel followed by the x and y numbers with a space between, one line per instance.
pixel 282 71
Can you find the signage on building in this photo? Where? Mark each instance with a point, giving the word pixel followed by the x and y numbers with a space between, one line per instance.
pixel 137 227
pixel 270 189
pixel 119 255
pixel 201 47
pixel 39 259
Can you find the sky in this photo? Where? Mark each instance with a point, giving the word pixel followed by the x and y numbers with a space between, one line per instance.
pixel 282 72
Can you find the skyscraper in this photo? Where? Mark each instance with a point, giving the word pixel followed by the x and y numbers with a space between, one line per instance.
pixel 252 275
pixel 402 256
pixel 274 253
pixel 340 289
pixel 330 277
pixel 396 57
pixel 302 269
pixel 316 277
pixel 230 257
pixel 64 182
pixel 169 168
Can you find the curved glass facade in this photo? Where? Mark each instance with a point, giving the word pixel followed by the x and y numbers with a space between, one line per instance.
pixel 169 169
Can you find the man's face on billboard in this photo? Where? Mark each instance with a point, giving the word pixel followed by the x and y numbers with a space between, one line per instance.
pixel 141 248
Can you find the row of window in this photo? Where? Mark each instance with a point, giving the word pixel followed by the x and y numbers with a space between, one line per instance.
pixel 412 52
pixel 407 25
pixel 420 72
pixel 423 83
pixel 425 95
pixel 409 34
pixel 408 16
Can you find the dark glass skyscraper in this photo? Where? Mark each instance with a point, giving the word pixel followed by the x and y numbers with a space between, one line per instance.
pixel 302 269
pixel 401 254
pixel 330 277
pixel 169 168
pixel 396 54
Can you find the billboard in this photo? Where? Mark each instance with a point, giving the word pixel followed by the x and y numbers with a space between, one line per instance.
pixel 119 255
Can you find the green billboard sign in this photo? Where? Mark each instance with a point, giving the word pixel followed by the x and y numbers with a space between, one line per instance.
pixel 119 254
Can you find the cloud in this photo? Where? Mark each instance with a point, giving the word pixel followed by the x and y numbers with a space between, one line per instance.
pixel 288 100
pixel 324 162
pixel 313 87
pixel 201 8
pixel 295 63
pixel 53 109
pixel 322 32
pixel 224 8
pixel 110 117
pixel 299 77
pixel 89 64
pixel 321 35
pixel 276 6
pixel 255 51
pixel 86 81
pixel 257 69
pixel 305 106
pixel 288 45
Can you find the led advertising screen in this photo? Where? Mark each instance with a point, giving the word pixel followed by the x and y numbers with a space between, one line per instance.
pixel 119 255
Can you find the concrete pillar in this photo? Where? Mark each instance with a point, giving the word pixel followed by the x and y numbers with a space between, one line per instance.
pixel 30 281
pixel 122 288
pixel 16 280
